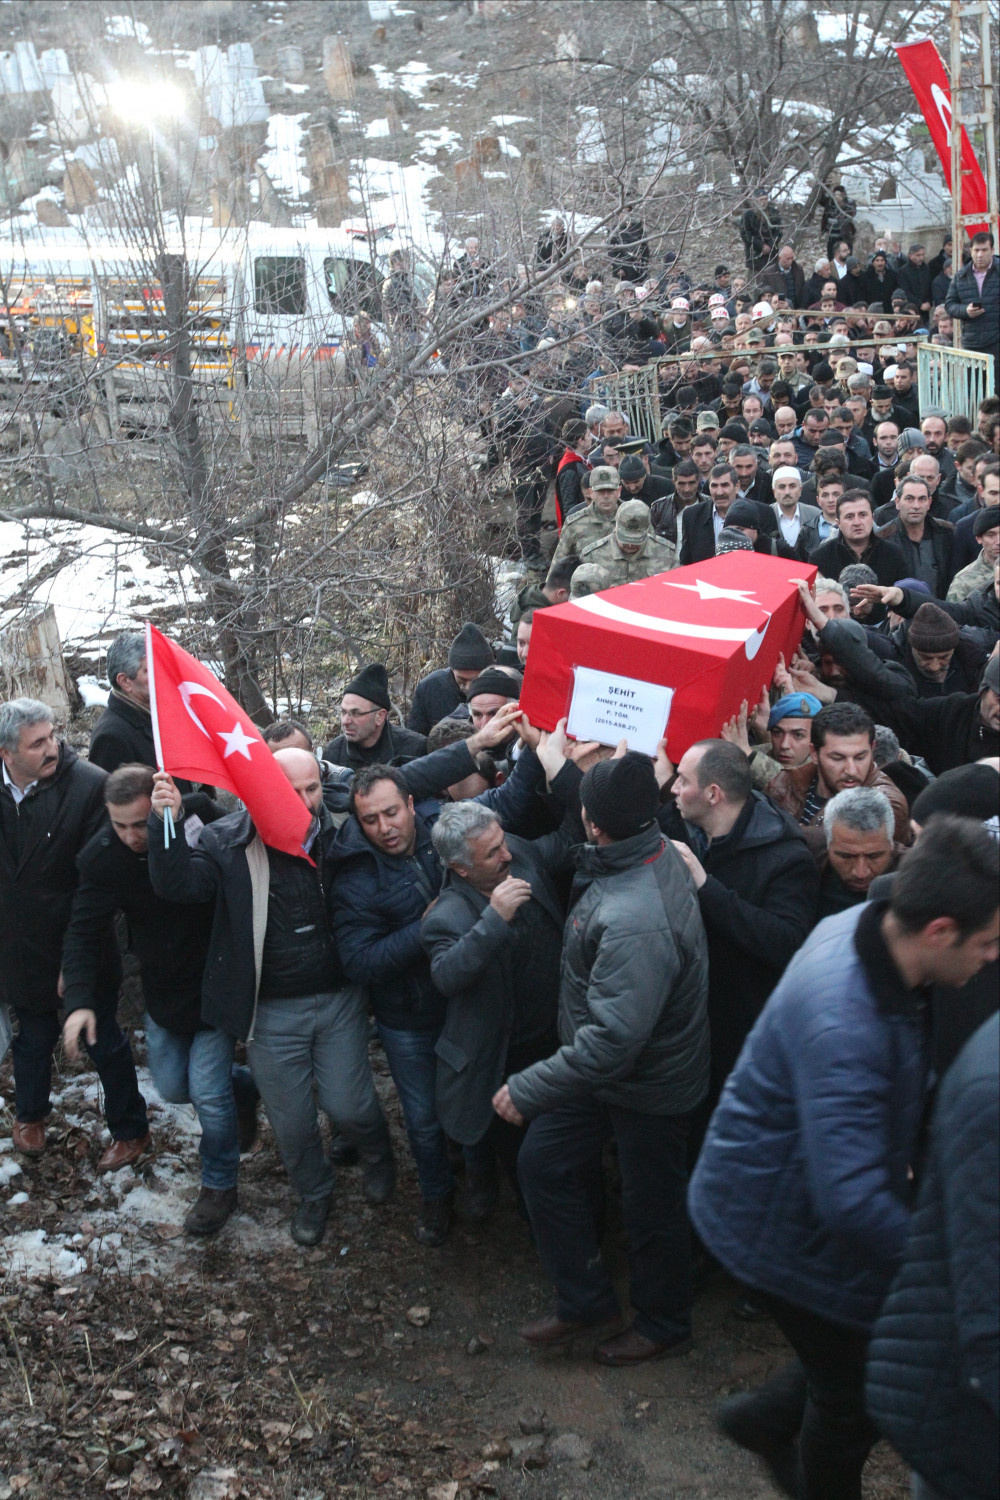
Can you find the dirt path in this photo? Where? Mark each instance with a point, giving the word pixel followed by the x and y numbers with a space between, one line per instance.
pixel 249 1367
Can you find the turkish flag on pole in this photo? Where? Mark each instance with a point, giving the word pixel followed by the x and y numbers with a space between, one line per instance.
pixel 201 732
pixel 929 81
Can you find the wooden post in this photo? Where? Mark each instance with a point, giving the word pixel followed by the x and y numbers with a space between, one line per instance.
pixel 32 664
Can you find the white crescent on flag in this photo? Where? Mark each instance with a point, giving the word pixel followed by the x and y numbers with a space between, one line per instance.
pixel 187 691
pixel 751 638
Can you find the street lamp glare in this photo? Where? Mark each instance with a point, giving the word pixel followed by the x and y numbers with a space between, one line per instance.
pixel 146 101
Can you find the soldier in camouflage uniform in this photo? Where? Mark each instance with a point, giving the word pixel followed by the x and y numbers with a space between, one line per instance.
pixel 589 578
pixel 633 550
pixel 595 520
pixel 979 574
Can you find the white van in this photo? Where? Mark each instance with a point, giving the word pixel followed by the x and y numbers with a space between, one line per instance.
pixel 269 293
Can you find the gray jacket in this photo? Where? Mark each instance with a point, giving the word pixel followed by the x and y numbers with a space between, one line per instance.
pixel 470 951
pixel 633 1017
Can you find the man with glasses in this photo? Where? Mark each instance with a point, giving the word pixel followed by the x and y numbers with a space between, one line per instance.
pixel 366 737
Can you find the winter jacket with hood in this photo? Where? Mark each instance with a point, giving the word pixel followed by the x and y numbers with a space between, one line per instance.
pixel 934 1361
pixel 802 1188
pixel 633 1018
pixel 40 838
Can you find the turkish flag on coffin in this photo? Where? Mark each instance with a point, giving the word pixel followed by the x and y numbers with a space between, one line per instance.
pixel 711 632
pixel 201 732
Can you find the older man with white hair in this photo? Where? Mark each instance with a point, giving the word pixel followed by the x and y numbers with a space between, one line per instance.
pixel 795 521
pixel 859 825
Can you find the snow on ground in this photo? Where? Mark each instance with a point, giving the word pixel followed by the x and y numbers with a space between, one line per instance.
pixel 384 185
pixel 141 1227
pixel 105 584
pixel 283 160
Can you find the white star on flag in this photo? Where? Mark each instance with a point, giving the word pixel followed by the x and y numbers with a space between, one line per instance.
pixel 712 591
pixel 237 741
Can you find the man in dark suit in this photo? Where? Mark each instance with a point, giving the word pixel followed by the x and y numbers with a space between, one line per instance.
pixel 701 524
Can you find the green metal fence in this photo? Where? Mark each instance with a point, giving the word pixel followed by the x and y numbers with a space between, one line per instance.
pixel 636 394
pixel 954 379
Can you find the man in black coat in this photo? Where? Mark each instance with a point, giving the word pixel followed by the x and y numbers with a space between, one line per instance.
pixel 856 542
pixel 757 883
pixel 925 542
pixel 760 231
pixel 974 298
pixel 51 804
pixel 702 522
pixel 955 730
pixel 914 278
pixel 123 735
pixel 879 281
pixel 441 692
pixel 191 1062
pixel 366 737
pixel 272 976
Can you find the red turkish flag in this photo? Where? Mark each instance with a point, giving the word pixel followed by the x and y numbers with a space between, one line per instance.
pixel 201 732
pixel 929 81
pixel 711 632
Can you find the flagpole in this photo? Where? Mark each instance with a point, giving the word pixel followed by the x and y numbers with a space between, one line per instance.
pixel 168 817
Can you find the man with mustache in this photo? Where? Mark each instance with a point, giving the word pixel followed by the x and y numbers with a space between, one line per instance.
pixel 51 804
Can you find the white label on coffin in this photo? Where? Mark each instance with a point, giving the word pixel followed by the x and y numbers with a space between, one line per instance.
pixel 609 708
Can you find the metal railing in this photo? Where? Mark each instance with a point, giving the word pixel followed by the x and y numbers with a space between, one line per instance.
pixel 636 394
pixel 954 379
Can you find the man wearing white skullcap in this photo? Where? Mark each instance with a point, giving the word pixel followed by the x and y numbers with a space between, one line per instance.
pixel 786 486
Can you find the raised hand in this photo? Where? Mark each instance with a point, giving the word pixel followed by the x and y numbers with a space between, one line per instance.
pixel 735 729
pixel 165 794
pixel 509 895
pixel 663 767
pixel 497 729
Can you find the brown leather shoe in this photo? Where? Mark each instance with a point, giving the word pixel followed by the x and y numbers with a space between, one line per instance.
pixel 630 1347
pixel 551 1332
pixel 29 1137
pixel 123 1153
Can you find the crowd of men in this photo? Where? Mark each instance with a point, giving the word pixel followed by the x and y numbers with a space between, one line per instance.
pixel 750 971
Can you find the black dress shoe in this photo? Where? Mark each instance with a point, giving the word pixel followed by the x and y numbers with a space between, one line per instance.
pixel 309 1221
pixel 210 1211
pixel 434 1223
pixel 479 1198
pixel 342 1152
pixel 379 1181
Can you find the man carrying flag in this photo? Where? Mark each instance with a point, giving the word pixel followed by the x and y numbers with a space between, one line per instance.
pixel 271 976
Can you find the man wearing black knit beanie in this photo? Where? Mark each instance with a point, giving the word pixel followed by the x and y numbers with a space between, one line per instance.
pixel 633 1065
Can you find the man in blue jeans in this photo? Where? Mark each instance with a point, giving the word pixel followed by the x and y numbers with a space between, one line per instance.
pixel 385 874
pixel 191 1062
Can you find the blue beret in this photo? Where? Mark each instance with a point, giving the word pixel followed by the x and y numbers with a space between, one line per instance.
pixel 794 706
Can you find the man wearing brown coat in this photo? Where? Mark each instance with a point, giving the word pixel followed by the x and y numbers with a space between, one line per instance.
pixel 843 742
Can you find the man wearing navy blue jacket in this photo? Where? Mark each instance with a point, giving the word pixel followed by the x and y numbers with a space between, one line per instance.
pixel 803 1188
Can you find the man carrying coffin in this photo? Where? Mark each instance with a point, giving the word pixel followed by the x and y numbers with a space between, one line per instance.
pixel 633 1065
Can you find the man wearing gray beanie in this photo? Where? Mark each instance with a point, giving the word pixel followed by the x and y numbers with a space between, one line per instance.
pixel 441 692
pixel 633 1065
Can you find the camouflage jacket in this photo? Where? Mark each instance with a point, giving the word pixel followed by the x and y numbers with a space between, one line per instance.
pixel 656 556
